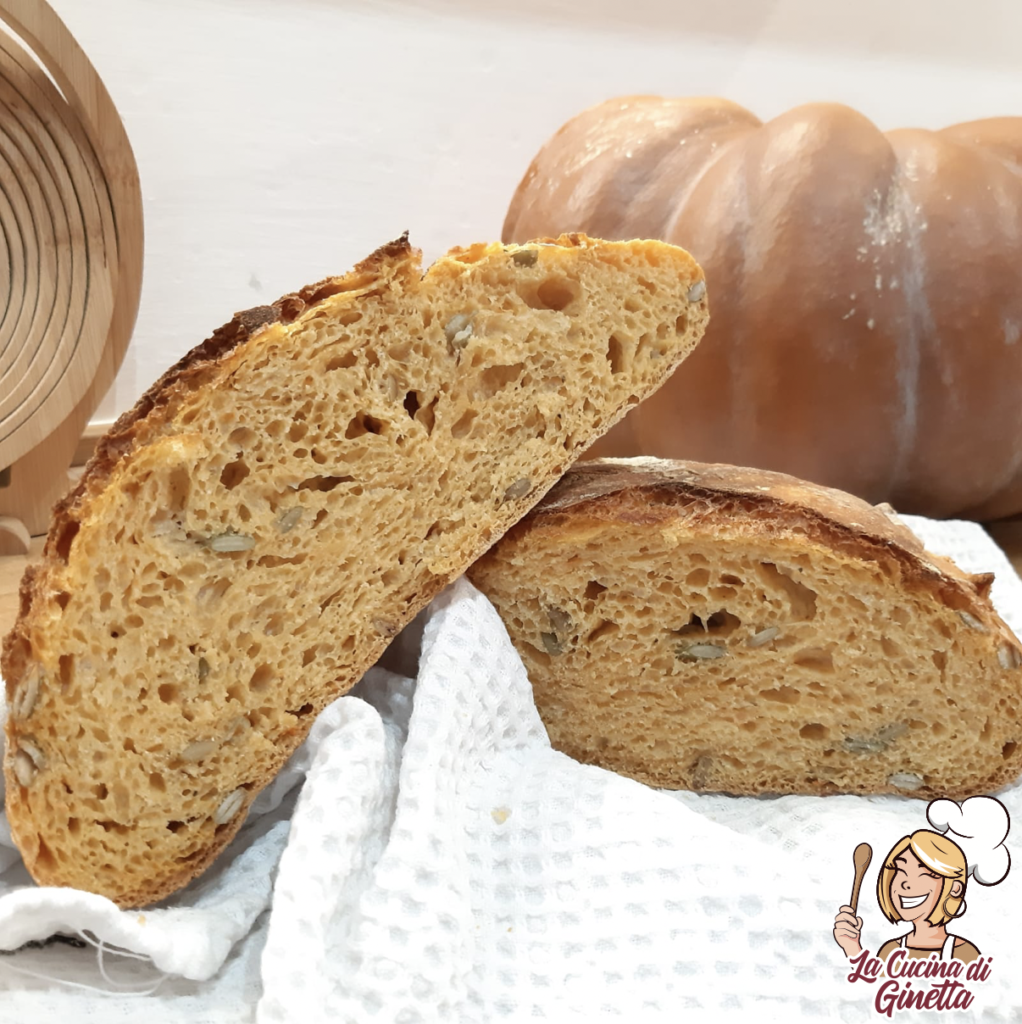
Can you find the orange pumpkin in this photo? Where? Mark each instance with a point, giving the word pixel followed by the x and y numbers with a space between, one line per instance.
pixel 865 289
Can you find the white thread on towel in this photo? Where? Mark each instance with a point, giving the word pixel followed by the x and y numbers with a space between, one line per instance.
pixel 116 988
pixel 121 988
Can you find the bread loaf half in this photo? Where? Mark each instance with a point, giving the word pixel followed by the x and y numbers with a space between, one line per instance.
pixel 711 628
pixel 248 539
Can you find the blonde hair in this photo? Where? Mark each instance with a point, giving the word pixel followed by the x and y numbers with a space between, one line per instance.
pixel 938 854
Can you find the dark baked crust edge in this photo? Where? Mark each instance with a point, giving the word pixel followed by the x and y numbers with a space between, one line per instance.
pixel 623 488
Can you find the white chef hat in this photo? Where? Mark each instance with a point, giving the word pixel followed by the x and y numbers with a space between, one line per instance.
pixel 978 826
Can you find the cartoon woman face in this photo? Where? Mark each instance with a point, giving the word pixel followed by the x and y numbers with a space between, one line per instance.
pixel 915 889
pixel 922 880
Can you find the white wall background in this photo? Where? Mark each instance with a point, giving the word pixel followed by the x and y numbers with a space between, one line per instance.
pixel 279 141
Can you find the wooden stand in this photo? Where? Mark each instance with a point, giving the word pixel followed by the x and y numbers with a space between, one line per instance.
pixel 71 211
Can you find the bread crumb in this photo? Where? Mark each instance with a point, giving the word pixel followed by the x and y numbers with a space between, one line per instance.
pixel 500 815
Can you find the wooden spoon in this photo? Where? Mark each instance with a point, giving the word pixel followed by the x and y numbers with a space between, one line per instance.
pixel 861 858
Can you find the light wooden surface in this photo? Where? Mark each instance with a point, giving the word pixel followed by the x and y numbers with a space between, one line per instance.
pixel 72 203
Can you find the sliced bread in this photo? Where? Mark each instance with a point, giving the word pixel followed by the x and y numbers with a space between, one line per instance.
pixel 247 540
pixel 712 628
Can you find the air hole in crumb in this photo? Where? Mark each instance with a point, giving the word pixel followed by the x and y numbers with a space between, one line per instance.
pixel 261 679
pixel 692 627
pixel 65 538
pixel 342 362
pixel 616 354
pixel 782 695
pixel 697 578
pixel 553 293
pixel 212 591
pixel 890 648
pixel 464 424
pixel 323 483
pixel 233 473
pixel 168 692
pixel 593 590
pixel 242 436
pixel 427 414
pixel 815 659
pixel 814 731
pixel 722 623
pixel 157 783
pixel 67 670
pixel 557 293
pixel 362 423
pixel 1008 749
pixel 309 655
pixel 681 324
pixel 496 378
pixel 44 856
pixel 273 561
pixel 304 710
pixel 801 599
pixel 62 599
pixel 411 403
pixel 605 628
pixel 347 318
pixel 175 826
